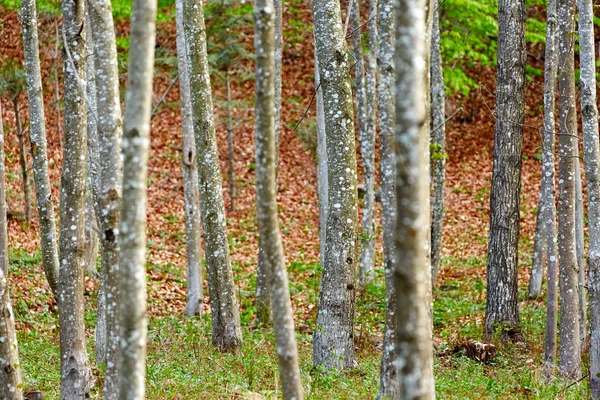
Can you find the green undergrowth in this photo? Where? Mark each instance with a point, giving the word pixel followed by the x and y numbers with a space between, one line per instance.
pixel 183 364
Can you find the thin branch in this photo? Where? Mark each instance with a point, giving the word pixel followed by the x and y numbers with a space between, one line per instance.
pixel 447 119
pixel 163 97
pixel 307 108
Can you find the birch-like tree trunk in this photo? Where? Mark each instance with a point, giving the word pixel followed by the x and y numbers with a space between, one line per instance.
pixel 266 200
pixel 10 368
pixel 37 137
pixel 589 112
pixel 334 333
pixel 412 271
pixel 580 248
pixel 75 370
pixel 438 144
pixel 547 202
pixel 502 303
pixel 189 171
pixel 110 131
pixel 388 382
pixel 227 333
pixel 132 237
pixel 22 159
pixel 570 357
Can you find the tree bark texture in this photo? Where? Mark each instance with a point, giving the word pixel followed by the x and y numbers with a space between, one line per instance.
pixel 22 159
pixel 333 337
pixel 502 303
pixel 580 248
pixel 37 137
pixel 227 333
pixel 322 164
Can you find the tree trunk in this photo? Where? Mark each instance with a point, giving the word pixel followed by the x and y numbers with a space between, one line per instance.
pixel 266 201
pixel 10 369
pixel 110 131
pixel 132 238
pixel 589 111
pixel 412 271
pixel 189 172
pixel 323 188
pixel 438 144
pixel 570 357
pixel 388 381
pixel 547 201
pixel 227 333
pixel 333 337
pixel 56 87
pixel 502 304
pixel 37 137
pixel 22 159
pixel 580 249
pixel 230 161
pixel 74 360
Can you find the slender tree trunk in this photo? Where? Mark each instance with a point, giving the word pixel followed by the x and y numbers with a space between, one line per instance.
pixel 227 333
pixel 540 247
pixel 110 131
pixel 502 305
pixel 10 368
pixel 547 202
pixel 22 159
pixel 230 161
pixel 412 271
pixel 37 137
pixel 570 356
pixel 589 111
pixel 580 249
pixel 333 337
pixel 266 200
pixel 189 171
pixel 438 144
pixel 388 381
pixel 57 87
pixel 323 188
pixel 132 238
pixel 74 360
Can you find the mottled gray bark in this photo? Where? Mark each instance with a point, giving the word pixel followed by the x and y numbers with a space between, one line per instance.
pixel 580 248
pixel 334 333
pixel 37 137
pixel 22 159
pixel 10 369
pixel 547 202
pixel 589 112
pixel 75 370
pixel 502 303
pixel 227 333
pixel 132 229
pixel 438 144
pixel 412 270
pixel 322 164
pixel 388 382
pixel 266 200
pixel 110 131
pixel 189 172
pixel 570 356
pixel 230 160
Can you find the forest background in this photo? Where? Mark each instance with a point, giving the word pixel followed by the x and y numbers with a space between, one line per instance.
pixel 184 363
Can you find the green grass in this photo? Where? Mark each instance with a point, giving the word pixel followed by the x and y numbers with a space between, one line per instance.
pixel 183 364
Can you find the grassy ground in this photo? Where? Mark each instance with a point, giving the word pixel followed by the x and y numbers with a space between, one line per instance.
pixel 182 363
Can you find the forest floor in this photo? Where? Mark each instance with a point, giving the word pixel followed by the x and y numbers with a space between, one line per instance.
pixel 181 361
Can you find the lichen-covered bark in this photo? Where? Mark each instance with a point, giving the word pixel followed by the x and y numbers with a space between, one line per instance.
pixel 570 356
pixel 10 369
pixel 132 229
pixel 322 164
pixel 37 137
pixel 189 172
pixel 334 333
pixel 547 205
pixel 589 112
pixel 266 200
pixel 227 333
pixel 438 144
pixel 75 371
pixel 230 150
pixel 580 248
pixel 502 303
pixel 110 131
pixel 22 159
pixel 388 382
